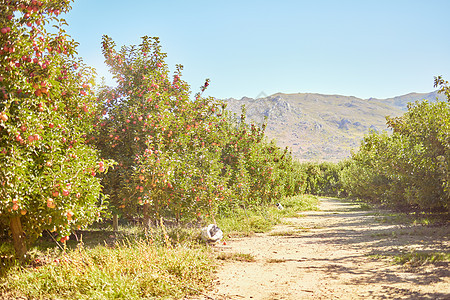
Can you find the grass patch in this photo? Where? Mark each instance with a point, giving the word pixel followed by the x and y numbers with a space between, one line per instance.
pixel 295 232
pixel 132 263
pixel 413 218
pixel 131 270
pixel 412 260
pixel 275 260
pixel 293 205
pixel 362 205
pixel 236 256
pixel 385 234
pixel 245 222
pixel 302 228
pixel 418 259
pixel 284 233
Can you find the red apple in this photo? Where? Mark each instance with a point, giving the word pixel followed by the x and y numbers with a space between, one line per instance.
pixel 50 203
pixel 3 117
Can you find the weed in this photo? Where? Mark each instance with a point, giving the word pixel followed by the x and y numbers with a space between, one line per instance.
pixel 412 260
pixel 236 256
pixel 417 259
pixel 284 233
pixel 275 260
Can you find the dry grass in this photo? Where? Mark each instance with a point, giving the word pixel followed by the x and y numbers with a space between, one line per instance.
pixel 236 256
pixel 129 270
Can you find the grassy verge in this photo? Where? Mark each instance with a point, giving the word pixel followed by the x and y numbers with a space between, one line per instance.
pixel 130 270
pixel 244 222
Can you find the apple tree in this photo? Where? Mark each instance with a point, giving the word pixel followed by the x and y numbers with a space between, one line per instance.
pixel 47 107
pixel 168 158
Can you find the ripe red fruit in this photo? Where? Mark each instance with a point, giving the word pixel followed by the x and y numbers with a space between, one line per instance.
pixel 3 117
pixel 50 203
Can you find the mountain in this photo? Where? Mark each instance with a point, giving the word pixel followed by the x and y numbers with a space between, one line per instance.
pixel 322 127
pixel 402 101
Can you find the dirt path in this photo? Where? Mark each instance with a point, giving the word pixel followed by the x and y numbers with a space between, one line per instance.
pixel 334 253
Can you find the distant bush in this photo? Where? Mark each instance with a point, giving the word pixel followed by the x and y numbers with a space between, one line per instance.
pixel 323 179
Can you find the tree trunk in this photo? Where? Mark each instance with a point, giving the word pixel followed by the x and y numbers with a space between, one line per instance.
pixel 20 245
pixel 115 222
pixel 146 211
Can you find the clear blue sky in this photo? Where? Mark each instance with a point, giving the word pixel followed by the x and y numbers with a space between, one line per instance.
pixel 362 48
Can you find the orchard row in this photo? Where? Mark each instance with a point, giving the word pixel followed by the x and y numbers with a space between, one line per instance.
pixel 71 151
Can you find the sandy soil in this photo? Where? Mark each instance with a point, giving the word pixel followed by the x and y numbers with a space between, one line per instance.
pixel 338 252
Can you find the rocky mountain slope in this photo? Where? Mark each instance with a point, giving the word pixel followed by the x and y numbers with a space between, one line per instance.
pixel 322 127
